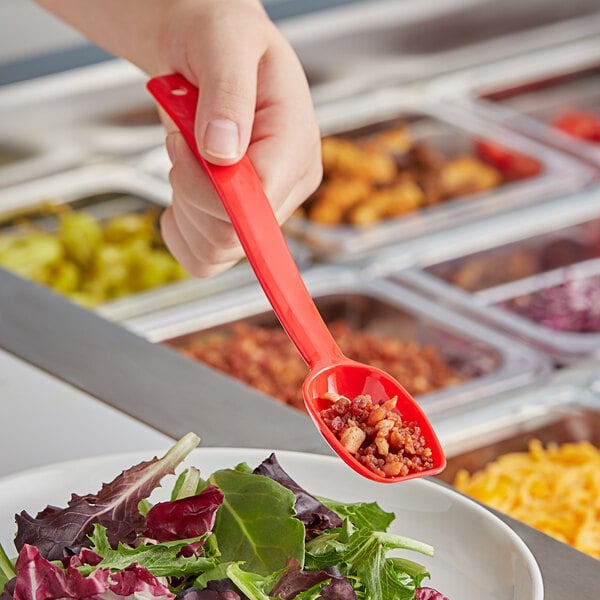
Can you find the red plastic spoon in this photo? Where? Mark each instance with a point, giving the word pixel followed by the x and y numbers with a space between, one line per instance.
pixel 242 194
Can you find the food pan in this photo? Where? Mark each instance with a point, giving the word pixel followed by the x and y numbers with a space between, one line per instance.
pixel 539 96
pixel 103 109
pixel 105 191
pixel 484 361
pixel 440 129
pixel 555 414
pixel 482 268
pixel 22 159
pixel 554 109
pixel 369 44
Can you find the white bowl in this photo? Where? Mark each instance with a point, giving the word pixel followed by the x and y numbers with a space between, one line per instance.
pixel 476 554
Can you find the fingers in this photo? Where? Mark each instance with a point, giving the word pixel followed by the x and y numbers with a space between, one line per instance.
pixel 286 142
pixel 195 227
pixel 190 256
pixel 227 80
pixel 188 180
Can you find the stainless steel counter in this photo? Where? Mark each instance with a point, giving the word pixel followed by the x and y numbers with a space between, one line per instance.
pixel 32 397
pixel 157 387
pixel 151 383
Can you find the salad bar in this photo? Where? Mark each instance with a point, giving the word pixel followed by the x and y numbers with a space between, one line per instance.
pixel 399 166
pixel 454 242
pixel 548 436
pixel 536 280
pixel 102 222
pixel 442 357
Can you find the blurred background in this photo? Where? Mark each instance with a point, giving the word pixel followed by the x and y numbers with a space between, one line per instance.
pixel 35 43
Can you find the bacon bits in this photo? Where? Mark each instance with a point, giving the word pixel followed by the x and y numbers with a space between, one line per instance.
pixel 376 435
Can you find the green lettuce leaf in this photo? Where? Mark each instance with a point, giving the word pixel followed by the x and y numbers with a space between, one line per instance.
pixel 254 586
pixel 218 572
pixel 360 555
pixel 189 483
pixel 161 560
pixel 7 570
pixel 402 565
pixel 362 514
pixel 255 524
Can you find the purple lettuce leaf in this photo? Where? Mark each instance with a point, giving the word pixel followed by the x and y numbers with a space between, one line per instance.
pixel 224 585
pixel 313 513
pixel 56 531
pixel 84 557
pixel 135 580
pixel 426 593
pixel 338 589
pixel 9 589
pixel 208 594
pixel 39 579
pixel 295 581
pixel 185 518
pixel 212 595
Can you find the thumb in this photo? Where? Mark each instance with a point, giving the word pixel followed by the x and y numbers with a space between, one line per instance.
pixel 226 105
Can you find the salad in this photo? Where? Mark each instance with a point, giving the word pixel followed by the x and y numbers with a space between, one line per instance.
pixel 237 534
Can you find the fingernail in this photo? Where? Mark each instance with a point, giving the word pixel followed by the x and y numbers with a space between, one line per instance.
pixel 171 144
pixel 221 139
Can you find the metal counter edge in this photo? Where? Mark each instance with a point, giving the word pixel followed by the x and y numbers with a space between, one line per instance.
pixel 149 382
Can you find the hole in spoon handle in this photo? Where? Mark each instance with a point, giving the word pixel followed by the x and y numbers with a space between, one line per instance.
pixel 251 214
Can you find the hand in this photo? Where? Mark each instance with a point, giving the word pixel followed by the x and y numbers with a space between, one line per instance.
pixel 254 98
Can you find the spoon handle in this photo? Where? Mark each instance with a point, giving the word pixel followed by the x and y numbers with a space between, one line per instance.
pixel 241 191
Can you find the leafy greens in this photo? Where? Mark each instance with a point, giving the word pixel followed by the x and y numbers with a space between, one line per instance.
pixel 240 534
pixel 115 506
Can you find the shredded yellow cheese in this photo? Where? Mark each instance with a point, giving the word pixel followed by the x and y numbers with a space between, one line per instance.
pixel 554 489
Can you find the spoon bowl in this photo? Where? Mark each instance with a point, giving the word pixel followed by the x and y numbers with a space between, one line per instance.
pixel 351 379
pixel 241 191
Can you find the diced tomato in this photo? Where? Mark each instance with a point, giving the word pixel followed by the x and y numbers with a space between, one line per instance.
pixel 581 124
pixel 513 165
